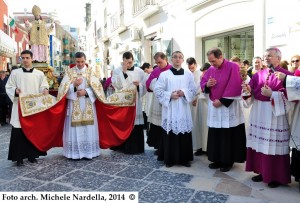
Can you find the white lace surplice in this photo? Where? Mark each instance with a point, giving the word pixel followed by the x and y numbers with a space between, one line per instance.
pixel 28 83
pixel 119 82
pixel 80 141
pixel 176 113
pixel 268 133
pixel 199 114
pixel 293 92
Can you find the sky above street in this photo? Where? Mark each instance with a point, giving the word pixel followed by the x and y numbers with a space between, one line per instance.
pixel 69 12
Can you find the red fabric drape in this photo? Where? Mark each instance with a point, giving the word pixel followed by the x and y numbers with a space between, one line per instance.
pixel 115 124
pixel 45 129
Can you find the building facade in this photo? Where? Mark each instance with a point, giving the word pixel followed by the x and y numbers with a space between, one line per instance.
pixel 7 43
pixel 244 28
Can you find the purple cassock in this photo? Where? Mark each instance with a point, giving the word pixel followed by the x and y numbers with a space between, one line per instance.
pixel 228 81
pixel 267 132
pixel 155 74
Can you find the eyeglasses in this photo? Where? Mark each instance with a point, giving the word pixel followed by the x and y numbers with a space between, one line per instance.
pixel 295 61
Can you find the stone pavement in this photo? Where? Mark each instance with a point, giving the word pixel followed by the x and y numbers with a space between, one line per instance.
pixel 113 171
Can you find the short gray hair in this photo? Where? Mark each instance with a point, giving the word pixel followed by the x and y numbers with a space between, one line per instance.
pixel 276 50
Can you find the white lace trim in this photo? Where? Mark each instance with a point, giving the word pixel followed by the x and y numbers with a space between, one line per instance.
pixel 178 126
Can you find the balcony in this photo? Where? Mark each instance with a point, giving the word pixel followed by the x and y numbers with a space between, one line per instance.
pixel 65 41
pixel 145 8
pixel 117 23
pixel 104 36
pixel 66 51
pixel 66 62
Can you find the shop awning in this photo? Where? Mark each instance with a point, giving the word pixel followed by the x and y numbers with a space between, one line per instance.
pixel 8 46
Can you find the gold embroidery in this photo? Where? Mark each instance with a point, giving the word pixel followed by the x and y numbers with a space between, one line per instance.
pixel 31 104
pixel 80 118
pixel 34 103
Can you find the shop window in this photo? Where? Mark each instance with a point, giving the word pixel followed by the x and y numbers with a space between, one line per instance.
pixel 236 43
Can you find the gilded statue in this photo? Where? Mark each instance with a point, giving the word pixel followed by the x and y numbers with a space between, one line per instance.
pixel 39 36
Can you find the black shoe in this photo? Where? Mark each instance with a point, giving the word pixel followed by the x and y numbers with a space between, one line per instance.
pixel 274 184
pixel 214 165
pixel 156 152
pixel 20 163
pixel 199 152
pixel 32 160
pixel 225 168
pixel 169 165
pixel 186 164
pixel 257 178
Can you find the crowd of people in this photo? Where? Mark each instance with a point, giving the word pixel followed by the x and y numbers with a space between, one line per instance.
pixel 185 112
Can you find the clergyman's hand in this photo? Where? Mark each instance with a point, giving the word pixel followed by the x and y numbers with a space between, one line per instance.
pixel 45 92
pixel 266 91
pixel 81 93
pixel 280 76
pixel 217 103
pixel 78 82
pixel 18 91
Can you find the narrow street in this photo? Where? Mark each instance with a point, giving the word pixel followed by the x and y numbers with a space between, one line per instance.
pixel 113 171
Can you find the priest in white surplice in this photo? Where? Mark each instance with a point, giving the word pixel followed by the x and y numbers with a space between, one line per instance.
pixel 199 109
pixel 25 80
pixel 124 77
pixel 292 84
pixel 175 89
pixel 81 136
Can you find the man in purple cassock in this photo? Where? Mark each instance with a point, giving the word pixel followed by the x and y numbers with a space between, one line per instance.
pixel 268 136
pixel 154 118
pixel 226 129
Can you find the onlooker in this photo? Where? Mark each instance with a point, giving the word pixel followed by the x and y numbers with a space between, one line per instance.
pixel 268 137
pixel 244 73
pixel 237 60
pixel 80 136
pixel 121 78
pixel 257 65
pixel 295 63
pixel 60 77
pixel 155 113
pixel 25 80
pixel 226 133
pixel 284 64
pixel 108 87
pixel 3 98
pixel 249 68
pixel 175 89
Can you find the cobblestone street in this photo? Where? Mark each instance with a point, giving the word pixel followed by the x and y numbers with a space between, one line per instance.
pixel 113 171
